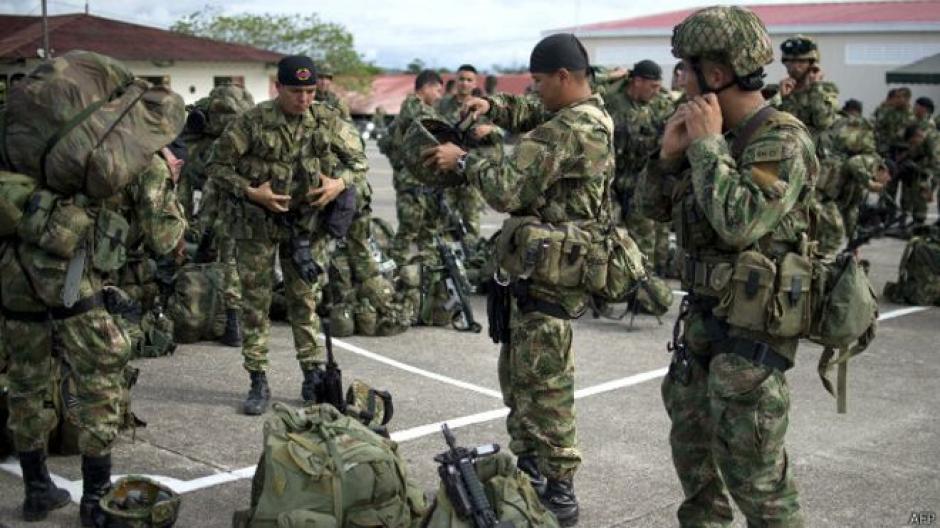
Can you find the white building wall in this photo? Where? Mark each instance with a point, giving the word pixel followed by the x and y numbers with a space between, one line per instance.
pixel 855 62
pixel 192 80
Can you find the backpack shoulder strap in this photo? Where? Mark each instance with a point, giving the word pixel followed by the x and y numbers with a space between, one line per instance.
pixel 741 140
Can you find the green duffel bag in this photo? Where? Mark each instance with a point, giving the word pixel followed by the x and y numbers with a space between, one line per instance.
pixel 320 468
pixel 197 306
pixel 509 493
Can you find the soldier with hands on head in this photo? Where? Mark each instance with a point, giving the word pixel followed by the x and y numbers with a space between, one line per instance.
pixel 559 173
pixel 266 166
pixel 731 175
pixel 803 93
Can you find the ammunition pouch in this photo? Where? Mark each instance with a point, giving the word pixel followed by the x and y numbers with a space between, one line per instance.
pixel 56 225
pixel 109 251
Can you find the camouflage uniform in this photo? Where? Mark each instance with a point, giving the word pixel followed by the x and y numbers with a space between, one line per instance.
pixel 419 218
pixel 329 98
pixel 462 198
pixel 262 145
pixel 916 190
pixel 91 343
pixel 850 144
pixel 637 127
pixel 719 210
pixel 536 369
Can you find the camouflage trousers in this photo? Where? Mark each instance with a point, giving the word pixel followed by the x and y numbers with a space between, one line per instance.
pixel 650 236
pixel 96 350
pixel 255 260
pixel 468 201
pixel 536 375
pixel 915 194
pixel 419 219
pixel 727 435
pixel 830 230
pixel 231 285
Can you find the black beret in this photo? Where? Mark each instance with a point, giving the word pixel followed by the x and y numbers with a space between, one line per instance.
pixel 647 69
pixel 554 52
pixel 296 70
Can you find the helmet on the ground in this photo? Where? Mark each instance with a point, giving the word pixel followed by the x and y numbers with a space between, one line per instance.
pixel 136 501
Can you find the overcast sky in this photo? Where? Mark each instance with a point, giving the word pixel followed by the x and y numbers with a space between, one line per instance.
pixel 443 33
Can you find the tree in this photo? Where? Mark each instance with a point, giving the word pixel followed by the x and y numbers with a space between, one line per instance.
pixel 288 34
pixel 415 66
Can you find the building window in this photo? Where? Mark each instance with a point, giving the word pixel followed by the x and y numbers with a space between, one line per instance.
pixel 868 53
pixel 157 80
pixel 237 80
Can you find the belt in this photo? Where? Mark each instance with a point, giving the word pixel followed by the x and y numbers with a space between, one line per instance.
pixel 56 313
pixel 758 352
pixel 528 304
pixel 700 274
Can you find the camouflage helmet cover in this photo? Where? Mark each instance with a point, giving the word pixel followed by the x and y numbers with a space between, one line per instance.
pixel 728 34
pixel 800 47
pixel 136 501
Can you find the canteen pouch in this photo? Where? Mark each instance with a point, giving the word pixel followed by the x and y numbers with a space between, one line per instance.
pixel 751 291
pixel 546 254
pixel 790 312
pixel 64 228
pixel 110 252
pixel 36 216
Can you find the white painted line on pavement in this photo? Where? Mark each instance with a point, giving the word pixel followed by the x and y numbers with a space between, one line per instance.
pixel 901 312
pixel 416 370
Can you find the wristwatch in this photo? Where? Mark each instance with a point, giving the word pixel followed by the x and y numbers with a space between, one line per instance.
pixel 462 163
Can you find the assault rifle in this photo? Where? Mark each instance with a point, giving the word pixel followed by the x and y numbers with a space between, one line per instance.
pixel 453 222
pixel 458 290
pixel 463 485
pixel 873 222
pixel 330 388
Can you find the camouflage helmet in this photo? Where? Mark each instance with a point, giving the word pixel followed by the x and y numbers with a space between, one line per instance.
pixel 325 69
pixel 224 103
pixel 800 47
pixel 727 34
pixel 136 501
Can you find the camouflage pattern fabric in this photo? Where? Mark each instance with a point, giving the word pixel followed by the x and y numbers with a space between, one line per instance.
pixel 537 366
pixel 329 98
pixel 890 123
pixel 93 345
pixel 721 206
pixel 816 106
pixel 925 172
pixel 919 271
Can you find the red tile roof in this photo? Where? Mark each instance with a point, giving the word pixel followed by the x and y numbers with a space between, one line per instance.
pixel 829 14
pixel 388 91
pixel 22 36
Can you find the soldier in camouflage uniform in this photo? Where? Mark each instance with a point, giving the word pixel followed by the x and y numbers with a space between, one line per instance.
pixel 207 121
pixel 465 199
pixel 929 156
pixel 268 168
pixel 730 175
pixel 418 215
pixel 638 125
pixel 891 118
pixel 326 95
pixel 541 178
pixel 916 165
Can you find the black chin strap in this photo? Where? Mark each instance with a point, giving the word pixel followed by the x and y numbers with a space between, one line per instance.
pixel 703 86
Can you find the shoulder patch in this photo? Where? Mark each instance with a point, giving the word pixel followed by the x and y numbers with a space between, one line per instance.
pixel 764 152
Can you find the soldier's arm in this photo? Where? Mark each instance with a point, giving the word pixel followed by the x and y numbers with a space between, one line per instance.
pixel 825 107
pixel 157 209
pixel 744 203
pixel 226 151
pixel 516 113
pixel 347 146
pixel 515 182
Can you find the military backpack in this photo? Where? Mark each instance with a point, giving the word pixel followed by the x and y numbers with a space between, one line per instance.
pixel 918 272
pixel 197 306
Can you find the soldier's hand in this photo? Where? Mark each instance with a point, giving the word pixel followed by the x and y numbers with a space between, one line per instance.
pixel 703 117
pixel 675 137
pixel 481 131
pixel 173 163
pixel 786 86
pixel 475 106
pixel 267 198
pixel 328 190
pixel 442 157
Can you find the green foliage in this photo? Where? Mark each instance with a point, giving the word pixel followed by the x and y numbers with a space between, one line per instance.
pixel 415 66
pixel 289 34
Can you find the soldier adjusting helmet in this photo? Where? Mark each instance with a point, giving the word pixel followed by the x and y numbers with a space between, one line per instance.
pixel 647 69
pixel 729 35
pixel 800 47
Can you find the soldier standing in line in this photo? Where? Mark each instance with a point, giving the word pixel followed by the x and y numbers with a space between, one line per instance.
pixel 418 215
pixel 559 172
pixel 891 118
pixel 266 167
pixel 637 127
pixel 731 174
pixel 325 93
pixel 923 118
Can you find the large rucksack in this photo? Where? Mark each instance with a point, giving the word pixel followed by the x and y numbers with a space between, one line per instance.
pixel 83 123
pixel 918 272
pixel 322 468
pixel 508 491
pixel 197 306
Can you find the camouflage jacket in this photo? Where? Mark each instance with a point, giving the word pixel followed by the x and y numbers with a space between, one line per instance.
pixel 927 154
pixel 411 109
pixel 344 153
pixel 850 135
pixel 265 145
pixel 664 104
pixel 890 123
pixel 816 106
pixel 449 108
pixel 331 99
pixel 637 130
pixel 560 171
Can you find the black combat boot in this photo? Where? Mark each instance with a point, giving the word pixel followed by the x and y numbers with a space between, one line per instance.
pixel 96 482
pixel 559 499
pixel 42 496
pixel 233 330
pixel 529 465
pixel 257 401
pixel 312 380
